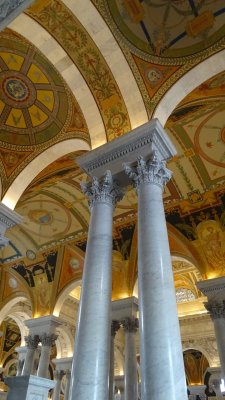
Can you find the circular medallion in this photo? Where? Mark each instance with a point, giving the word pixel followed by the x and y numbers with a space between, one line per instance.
pixel 30 254
pixel 16 89
pixel 74 263
pixel 12 283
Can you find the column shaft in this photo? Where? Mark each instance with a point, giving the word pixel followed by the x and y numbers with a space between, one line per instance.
pixel 92 345
pixel 32 343
pixel 67 388
pixel 114 328
pixel 47 342
pixel 57 389
pixel 130 372
pixel 219 326
pixel 162 369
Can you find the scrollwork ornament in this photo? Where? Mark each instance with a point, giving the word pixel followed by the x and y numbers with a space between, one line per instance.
pixel 216 309
pixel 103 190
pixel 150 171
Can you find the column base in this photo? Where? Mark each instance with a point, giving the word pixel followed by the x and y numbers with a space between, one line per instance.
pixel 28 387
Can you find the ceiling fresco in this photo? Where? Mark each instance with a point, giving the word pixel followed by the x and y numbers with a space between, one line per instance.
pixel 37 109
pixel 162 40
pixel 169 28
pixel 195 364
pixel 86 56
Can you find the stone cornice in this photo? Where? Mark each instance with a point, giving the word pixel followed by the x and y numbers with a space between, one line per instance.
pixel 141 141
pixel 10 9
pixel 8 219
pixel 212 287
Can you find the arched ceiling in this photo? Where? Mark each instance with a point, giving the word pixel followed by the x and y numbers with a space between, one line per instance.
pixel 37 109
pixel 93 71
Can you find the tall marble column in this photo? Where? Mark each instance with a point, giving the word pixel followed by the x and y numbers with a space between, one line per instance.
pixel 217 313
pixel 32 344
pixel 47 340
pixel 22 350
pixel 214 289
pixel 68 381
pixel 115 326
pixel 162 368
pixel 130 326
pixel 92 345
pixel 58 375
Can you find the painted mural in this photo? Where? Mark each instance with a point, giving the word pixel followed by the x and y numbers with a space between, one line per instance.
pixel 39 277
pixel 195 364
pixel 36 107
pixel 86 56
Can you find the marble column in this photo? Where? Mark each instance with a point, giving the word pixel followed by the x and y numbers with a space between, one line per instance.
pixel 130 326
pixel 68 381
pixel 197 390
pixel 115 326
pixel 22 351
pixel 162 368
pixel 217 313
pixel 92 345
pixel 47 340
pixel 58 375
pixel 32 344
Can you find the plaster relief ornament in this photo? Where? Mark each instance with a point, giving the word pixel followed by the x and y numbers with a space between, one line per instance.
pixel 13 283
pixel 74 263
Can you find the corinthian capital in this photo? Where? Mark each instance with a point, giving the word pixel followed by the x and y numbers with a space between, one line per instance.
pixel 32 341
pixel 150 171
pixel 58 375
pixel 130 324
pixel 48 340
pixel 103 190
pixel 115 326
pixel 216 309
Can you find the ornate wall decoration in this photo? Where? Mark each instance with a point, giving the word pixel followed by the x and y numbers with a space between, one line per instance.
pixel 163 34
pixel 86 56
pixel 39 277
pixel 195 364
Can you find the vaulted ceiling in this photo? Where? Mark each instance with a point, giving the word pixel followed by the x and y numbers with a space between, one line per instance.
pixel 76 74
